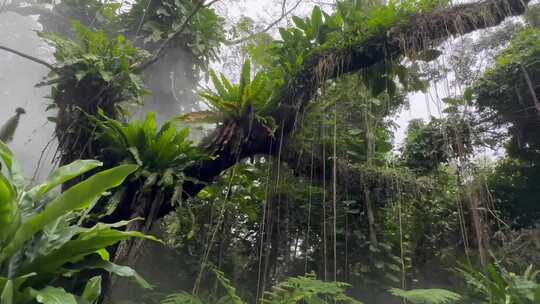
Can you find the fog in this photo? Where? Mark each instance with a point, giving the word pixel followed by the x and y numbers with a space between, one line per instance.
pixel 18 77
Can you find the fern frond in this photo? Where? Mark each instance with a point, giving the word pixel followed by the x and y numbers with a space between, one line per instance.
pixel 309 290
pixel 231 296
pixel 426 296
pixel 181 298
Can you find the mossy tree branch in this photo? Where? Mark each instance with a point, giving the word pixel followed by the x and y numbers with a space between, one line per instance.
pixel 420 32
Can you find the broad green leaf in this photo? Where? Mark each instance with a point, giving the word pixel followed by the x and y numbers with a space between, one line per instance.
pixel 12 166
pixel 6 297
pixel 92 289
pixel 77 197
pixel 86 243
pixel 62 175
pixel 121 271
pixel 54 295
pixel 8 207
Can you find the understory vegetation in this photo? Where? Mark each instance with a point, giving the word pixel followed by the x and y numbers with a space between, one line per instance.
pixel 280 171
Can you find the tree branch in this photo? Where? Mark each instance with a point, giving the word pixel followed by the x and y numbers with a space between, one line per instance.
pixel 421 32
pixel 31 58
pixel 284 13
pixel 200 5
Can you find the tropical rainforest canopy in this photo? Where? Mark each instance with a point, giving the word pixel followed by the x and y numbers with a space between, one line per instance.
pixel 203 155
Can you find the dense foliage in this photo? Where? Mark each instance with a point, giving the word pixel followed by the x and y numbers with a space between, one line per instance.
pixel 43 241
pixel 299 189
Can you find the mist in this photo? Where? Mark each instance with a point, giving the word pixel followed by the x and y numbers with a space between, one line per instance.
pixel 33 142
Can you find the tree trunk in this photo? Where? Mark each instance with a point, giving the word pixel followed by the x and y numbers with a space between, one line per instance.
pixel 370 216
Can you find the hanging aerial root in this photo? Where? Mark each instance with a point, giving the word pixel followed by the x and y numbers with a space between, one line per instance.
pixel 418 33
pixel 428 30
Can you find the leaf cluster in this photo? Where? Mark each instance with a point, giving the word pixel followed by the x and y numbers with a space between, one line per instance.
pixel 161 154
pixel 499 286
pixel 439 141
pixel 249 99
pixel 504 97
pixel 42 240
pixel 92 64
pixel 426 296
pixel 309 290
pixel 158 20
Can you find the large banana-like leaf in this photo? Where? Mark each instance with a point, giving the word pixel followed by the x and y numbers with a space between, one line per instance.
pixel 53 295
pixel 86 243
pixel 77 197
pixel 62 175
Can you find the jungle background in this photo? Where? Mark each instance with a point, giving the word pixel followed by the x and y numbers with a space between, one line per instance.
pixel 228 151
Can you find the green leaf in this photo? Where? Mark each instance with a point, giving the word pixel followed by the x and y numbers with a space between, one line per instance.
pixel 426 296
pixel 106 75
pixel 181 298
pixel 92 289
pixel 300 23
pixel 244 77
pixel 12 166
pixel 316 18
pixel 54 295
pixel 218 85
pixel 121 271
pixel 80 74
pixel 8 207
pixel 150 181
pixel 468 95
pixel 6 297
pixel 62 175
pixel 77 197
pixel 86 243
